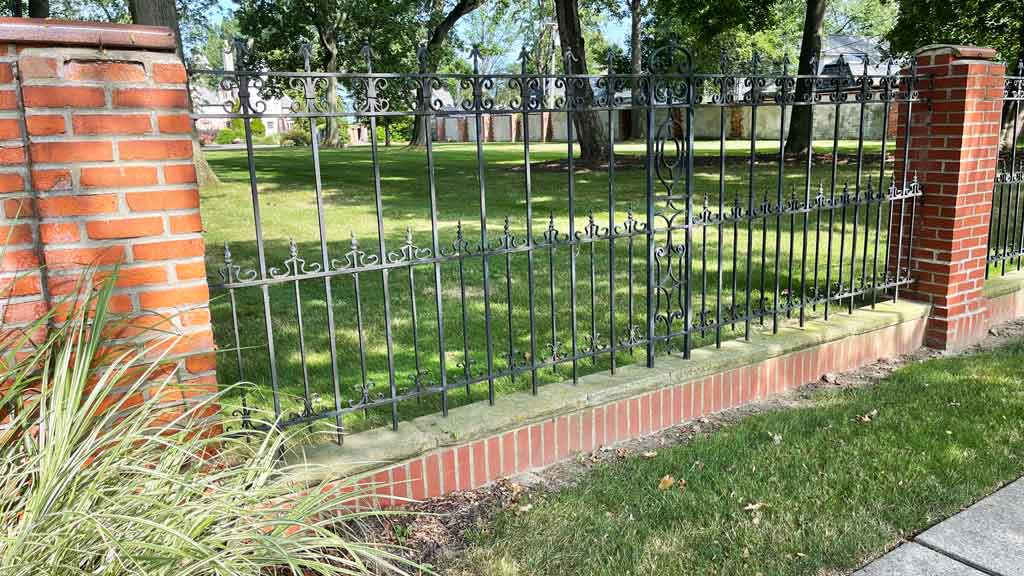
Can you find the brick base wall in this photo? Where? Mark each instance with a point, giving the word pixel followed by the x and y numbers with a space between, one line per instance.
pixel 540 444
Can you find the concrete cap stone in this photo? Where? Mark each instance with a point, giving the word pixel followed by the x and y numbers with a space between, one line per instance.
pixel 959 51
pixel 39 31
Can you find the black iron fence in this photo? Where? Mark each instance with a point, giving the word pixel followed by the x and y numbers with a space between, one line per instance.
pixel 681 242
pixel 1006 226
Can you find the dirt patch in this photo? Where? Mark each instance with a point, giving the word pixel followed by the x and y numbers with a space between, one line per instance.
pixel 443 525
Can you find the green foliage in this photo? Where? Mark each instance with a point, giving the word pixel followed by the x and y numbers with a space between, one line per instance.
pixel 995 23
pixel 95 484
pixel 227 136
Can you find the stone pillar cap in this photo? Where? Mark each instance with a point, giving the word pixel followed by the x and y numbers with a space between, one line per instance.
pixel 958 51
pixel 39 31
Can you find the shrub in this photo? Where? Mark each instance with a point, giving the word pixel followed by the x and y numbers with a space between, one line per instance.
pixel 297 136
pixel 95 484
pixel 227 136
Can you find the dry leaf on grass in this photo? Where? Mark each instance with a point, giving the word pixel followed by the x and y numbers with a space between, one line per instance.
pixel 754 506
pixel 650 454
pixel 867 418
pixel 666 482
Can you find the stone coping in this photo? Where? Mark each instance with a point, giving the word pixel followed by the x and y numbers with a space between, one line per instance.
pixel 997 286
pixel 381 446
pixel 39 31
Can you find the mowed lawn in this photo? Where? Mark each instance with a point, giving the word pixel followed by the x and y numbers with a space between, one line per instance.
pixel 285 181
pixel 820 489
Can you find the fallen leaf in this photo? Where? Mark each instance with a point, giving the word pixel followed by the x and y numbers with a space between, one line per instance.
pixel 525 508
pixel 650 454
pixel 754 506
pixel 867 418
pixel 666 482
pixel 681 484
pixel 776 439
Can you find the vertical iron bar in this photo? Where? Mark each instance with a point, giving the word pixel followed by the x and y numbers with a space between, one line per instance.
pixel 906 168
pixel 649 185
pixel 754 95
pixel 246 109
pixel 372 104
pixel 484 249
pixel 832 190
pixel 573 244
pixel 779 185
pixel 721 200
pixel 428 120
pixel 612 117
pixel 688 312
pixel 865 95
pixel 460 241
pixel 528 184
pixel 811 96
pixel 314 137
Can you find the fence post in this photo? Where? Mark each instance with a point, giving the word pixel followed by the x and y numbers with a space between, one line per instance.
pixel 97 166
pixel 954 147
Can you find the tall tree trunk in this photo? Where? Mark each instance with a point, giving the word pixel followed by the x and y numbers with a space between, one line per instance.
pixel 589 130
pixel 38 8
pixel 329 42
pixel 164 13
pixel 636 124
pixel 428 65
pixel 800 128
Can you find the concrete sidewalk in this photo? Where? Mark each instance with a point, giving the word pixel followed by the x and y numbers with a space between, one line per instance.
pixel 985 539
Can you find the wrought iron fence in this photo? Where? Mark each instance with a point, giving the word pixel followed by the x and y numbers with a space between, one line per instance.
pixel 1006 225
pixel 726 239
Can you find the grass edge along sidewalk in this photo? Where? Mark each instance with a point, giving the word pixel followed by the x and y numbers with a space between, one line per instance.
pixel 822 488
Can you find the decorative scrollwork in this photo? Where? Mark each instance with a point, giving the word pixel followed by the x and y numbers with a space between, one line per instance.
pixel 355 258
pixel 409 251
pixel 294 265
pixel 231 273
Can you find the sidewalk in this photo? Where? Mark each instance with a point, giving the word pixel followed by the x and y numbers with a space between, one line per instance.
pixel 985 539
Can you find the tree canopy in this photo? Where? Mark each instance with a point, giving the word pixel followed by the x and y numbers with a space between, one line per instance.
pixel 995 23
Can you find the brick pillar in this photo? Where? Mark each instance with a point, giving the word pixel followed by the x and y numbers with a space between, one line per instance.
pixel 954 146
pixel 96 167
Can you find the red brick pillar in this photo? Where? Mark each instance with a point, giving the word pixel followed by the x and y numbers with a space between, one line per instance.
pixel 954 146
pixel 96 167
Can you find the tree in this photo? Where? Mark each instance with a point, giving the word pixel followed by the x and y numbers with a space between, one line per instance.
pixel 165 13
pixel 589 131
pixel 340 28
pixel 798 140
pixel 995 23
pixel 438 36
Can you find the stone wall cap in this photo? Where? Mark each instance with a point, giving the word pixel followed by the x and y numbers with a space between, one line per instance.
pixel 38 31
pixel 959 51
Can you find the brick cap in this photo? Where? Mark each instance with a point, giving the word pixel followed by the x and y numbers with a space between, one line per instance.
pixel 38 31
pixel 959 51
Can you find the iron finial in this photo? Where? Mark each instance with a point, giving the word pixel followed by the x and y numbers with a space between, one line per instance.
pixel 477 56
pixel 367 53
pixel 422 54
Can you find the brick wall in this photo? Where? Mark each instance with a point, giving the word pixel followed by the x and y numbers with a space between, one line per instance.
pixel 954 141
pixel 97 171
pixel 465 466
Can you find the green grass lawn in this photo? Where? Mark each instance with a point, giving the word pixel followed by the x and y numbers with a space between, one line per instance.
pixel 289 212
pixel 833 493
